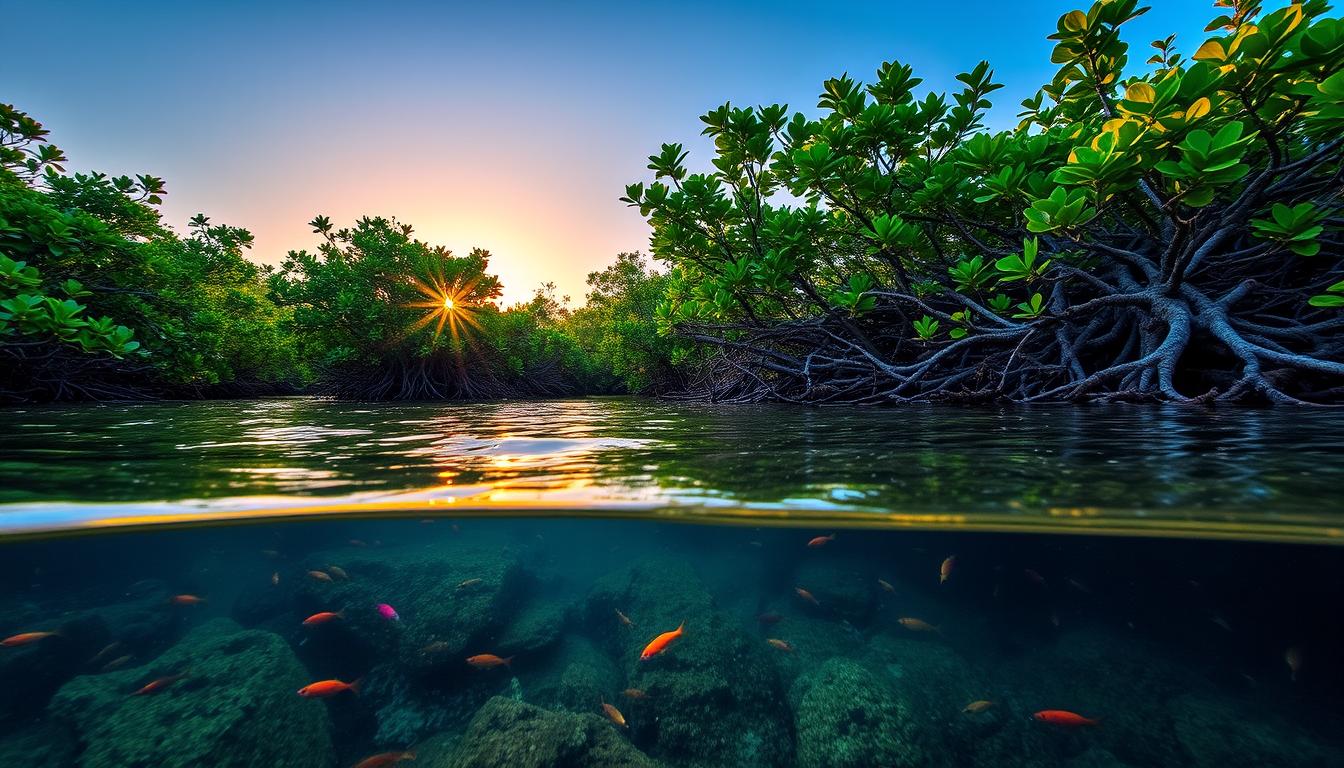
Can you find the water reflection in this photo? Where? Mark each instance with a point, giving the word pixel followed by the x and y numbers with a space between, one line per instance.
pixel 1185 471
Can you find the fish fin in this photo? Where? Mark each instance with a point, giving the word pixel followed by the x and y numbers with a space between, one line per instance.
pixel 681 627
pixel 354 687
pixel 508 662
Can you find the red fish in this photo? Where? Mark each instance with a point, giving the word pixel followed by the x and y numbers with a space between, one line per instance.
pixel 614 715
pixel 488 661
pixel 323 618
pixel 661 642
pixel 25 638
pixel 186 600
pixel 945 570
pixel 806 596
pixel 159 685
pixel 782 645
pixel 821 541
pixel 324 688
pixel 384 760
pixel 1065 718
pixel 320 575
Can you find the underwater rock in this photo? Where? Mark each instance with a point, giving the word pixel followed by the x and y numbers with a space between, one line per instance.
pixel 843 592
pixel 40 743
pixel 714 697
pixel 846 716
pixel 88 640
pixel 236 706
pixel 511 734
pixel 1219 733
pixel 535 628
pixel 575 677
pixel 406 711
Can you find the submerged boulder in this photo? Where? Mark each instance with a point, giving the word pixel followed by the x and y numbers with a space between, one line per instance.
pixel 512 734
pixel 577 677
pixel 234 706
pixel 843 592
pixel 714 697
pixel 1219 733
pixel 846 716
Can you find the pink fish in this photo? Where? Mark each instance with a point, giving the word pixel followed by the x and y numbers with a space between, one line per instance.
pixel 387 612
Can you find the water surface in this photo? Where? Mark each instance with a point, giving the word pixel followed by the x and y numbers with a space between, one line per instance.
pixel 1271 474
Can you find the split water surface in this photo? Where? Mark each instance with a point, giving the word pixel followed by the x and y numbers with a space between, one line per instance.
pixel 623 582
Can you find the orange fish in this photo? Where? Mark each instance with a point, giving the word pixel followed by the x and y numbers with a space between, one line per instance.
pixel 624 619
pixel 159 685
pixel 116 663
pixel 977 706
pixel 385 759
pixel 320 575
pixel 1063 717
pixel 469 583
pixel 324 688
pixel 275 578
pixel 918 625
pixel 1293 658
pixel 807 596
pixel 25 638
pixel 945 570
pixel 614 715
pixel 635 694
pixel 323 618
pixel 488 661
pixel 186 600
pixel 780 644
pixel 338 572
pixel 886 586
pixel 661 642
pixel 821 541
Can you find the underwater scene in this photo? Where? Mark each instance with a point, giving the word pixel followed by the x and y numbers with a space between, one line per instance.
pixel 623 582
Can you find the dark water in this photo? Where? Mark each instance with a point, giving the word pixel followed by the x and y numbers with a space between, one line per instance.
pixel 1203 629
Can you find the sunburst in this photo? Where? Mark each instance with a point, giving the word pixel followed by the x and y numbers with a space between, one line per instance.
pixel 446 305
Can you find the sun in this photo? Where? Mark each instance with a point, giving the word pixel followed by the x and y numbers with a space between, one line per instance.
pixel 446 305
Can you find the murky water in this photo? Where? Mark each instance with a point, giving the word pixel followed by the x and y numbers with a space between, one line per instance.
pixel 497 623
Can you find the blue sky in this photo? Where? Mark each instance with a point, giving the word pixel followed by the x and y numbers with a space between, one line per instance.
pixel 512 126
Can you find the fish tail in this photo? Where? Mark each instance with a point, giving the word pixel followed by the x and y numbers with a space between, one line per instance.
pixel 508 662
pixel 681 627
pixel 354 687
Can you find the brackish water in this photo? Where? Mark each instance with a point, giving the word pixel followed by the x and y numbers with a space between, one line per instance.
pixel 1192 617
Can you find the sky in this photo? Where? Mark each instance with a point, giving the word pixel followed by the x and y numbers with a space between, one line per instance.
pixel 509 126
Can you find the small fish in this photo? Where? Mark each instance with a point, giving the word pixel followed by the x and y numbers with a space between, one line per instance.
pixel 1293 658
pixel 661 642
pixel 186 600
pixel 1221 622
pixel 387 612
pixel 358 543
pixel 624 619
pixel 1034 577
pixel 821 541
pixel 780 644
pixel 806 596
pixel 755 544
pixel 160 684
pixel 323 618
pixel 384 759
pixel 614 714
pixel 320 575
pixel 469 583
pixel 275 579
pixel 270 553
pixel 886 586
pixel 945 570
pixel 324 688
pixel 117 663
pixel 488 661
pixel 435 648
pixel 977 706
pixel 634 694
pixel 338 572
pixel 918 625
pixel 1078 586
pixel 108 650
pixel 25 638
pixel 769 618
pixel 1065 718
pixel 1054 620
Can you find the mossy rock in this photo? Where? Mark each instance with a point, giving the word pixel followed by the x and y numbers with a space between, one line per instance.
pixel 845 594
pixel 714 697
pixel 512 734
pixel 846 716
pixel 1222 734
pixel 237 706
pixel 577 677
